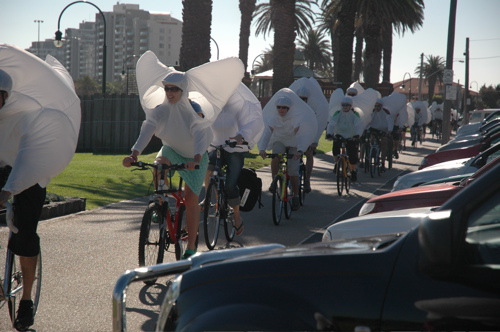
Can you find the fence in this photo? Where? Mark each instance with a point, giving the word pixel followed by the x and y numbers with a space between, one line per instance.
pixel 111 124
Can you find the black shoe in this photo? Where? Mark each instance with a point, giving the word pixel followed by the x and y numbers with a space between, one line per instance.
pixel 396 155
pixel 335 168
pixel 25 317
pixel 307 187
pixel 295 203
pixel 354 176
pixel 272 188
pixel 382 169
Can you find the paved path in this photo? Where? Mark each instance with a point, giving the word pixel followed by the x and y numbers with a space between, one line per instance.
pixel 85 253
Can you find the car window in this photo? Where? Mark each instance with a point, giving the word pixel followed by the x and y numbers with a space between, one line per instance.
pixel 493 156
pixel 483 231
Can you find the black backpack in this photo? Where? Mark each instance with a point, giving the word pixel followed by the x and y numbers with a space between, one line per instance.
pixel 250 186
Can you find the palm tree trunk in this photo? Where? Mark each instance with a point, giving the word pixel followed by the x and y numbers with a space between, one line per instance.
pixel 196 27
pixel 373 51
pixel 247 8
pixel 346 38
pixel 283 20
pixel 358 55
pixel 387 51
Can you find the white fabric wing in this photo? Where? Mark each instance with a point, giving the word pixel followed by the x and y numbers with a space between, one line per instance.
pixel 40 122
pixel 365 101
pixel 335 101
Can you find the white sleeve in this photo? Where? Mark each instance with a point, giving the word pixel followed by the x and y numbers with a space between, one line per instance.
pixel 147 131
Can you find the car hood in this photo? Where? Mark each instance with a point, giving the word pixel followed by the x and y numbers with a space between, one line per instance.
pixel 377 224
pixel 429 191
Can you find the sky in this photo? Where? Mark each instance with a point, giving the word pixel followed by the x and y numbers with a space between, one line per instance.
pixel 476 19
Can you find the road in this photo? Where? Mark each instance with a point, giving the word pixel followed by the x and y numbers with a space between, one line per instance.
pixel 85 253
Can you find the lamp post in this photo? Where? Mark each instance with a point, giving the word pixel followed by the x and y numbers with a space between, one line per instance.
pixel 403 85
pixel 123 75
pixel 477 85
pixel 38 44
pixel 216 45
pixel 253 62
pixel 58 41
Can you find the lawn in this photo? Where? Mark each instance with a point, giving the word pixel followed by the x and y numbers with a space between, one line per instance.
pixel 102 179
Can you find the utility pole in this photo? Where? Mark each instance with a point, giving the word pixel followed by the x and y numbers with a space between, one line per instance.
pixel 449 66
pixel 467 97
pixel 420 77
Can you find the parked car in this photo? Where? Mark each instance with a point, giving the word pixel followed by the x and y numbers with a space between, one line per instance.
pixel 440 275
pixel 422 196
pixel 472 127
pixel 479 114
pixel 484 126
pixel 470 140
pixel 447 169
pixel 465 152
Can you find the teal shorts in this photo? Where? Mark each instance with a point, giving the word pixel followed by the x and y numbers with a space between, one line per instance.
pixel 194 179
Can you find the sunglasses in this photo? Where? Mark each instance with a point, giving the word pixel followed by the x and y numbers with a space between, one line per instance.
pixel 343 105
pixel 283 107
pixel 172 89
pixel 304 99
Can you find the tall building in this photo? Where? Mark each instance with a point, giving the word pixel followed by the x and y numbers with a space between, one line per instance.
pixel 128 31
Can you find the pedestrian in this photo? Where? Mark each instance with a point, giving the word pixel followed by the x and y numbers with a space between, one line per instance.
pixel 290 127
pixel 39 125
pixel 170 115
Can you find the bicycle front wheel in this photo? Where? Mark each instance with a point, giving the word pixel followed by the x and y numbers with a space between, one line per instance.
pixel 287 199
pixel 340 176
pixel 229 230
pixel 181 237
pixel 373 161
pixel 302 183
pixel 277 207
pixel 13 283
pixel 211 215
pixel 347 178
pixel 152 238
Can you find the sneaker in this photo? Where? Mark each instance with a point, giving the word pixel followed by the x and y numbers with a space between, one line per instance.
pixel 272 188
pixel 188 253
pixel 396 155
pixel 307 186
pixel 25 316
pixel 295 203
pixel 335 168
pixel 354 176
pixel 382 169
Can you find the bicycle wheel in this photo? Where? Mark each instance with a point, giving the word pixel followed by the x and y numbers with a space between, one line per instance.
pixel 302 183
pixel 14 284
pixel 340 176
pixel 277 207
pixel 181 234
pixel 347 179
pixel 211 215
pixel 390 153
pixel 287 203
pixel 152 238
pixel 229 229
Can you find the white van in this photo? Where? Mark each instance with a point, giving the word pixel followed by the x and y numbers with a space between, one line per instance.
pixel 479 115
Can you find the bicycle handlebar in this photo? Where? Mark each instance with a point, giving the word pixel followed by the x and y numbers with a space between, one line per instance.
pixel 287 155
pixel 175 167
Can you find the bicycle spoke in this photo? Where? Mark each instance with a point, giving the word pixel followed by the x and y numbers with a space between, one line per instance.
pixel 211 216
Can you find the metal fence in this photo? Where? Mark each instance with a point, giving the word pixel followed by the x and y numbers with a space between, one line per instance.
pixel 111 124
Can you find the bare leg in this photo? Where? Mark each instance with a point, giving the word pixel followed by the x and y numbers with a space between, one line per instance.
pixel 295 185
pixel 309 163
pixel 28 269
pixel 192 216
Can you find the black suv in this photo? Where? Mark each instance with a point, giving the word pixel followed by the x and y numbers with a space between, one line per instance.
pixel 442 275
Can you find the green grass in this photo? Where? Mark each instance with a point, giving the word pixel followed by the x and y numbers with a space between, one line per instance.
pixel 102 179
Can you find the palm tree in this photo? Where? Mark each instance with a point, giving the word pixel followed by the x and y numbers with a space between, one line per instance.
pixel 247 7
pixel 195 46
pixel 303 12
pixel 432 72
pixel 327 23
pixel 284 22
pixel 316 50
pixel 264 61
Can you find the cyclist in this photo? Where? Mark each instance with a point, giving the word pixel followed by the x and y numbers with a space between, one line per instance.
pixel 310 92
pixel 381 125
pixel 346 123
pixel 37 143
pixel 289 124
pixel 240 120
pixel 185 135
pixel 420 119
pixel 437 119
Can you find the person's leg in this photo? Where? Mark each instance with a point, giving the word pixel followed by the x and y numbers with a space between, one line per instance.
pixel 383 151
pixel 192 216
pixel 28 269
pixel 309 167
pixel 235 162
pixel 278 147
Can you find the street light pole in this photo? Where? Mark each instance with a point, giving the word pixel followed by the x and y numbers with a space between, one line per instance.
pixel 403 85
pixel 38 43
pixel 58 41
pixel 123 68
pixel 216 46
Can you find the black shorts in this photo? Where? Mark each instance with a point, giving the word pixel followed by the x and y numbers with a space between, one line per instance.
pixel 28 207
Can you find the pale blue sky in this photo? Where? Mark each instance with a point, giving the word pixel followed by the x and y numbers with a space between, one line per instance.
pixel 476 19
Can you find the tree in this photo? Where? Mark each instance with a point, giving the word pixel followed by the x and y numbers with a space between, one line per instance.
pixel 283 21
pixel 490 96
pixel 327 23
pixel 196 28
pixel 264 61
pixel 247 7
pixel 432 72
pixel 303 13
pixel 316 50
pixel 86 86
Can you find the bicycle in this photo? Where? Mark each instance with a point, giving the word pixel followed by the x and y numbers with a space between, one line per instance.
pixel 438 131
pixel 343 167
pixel 12 283
pixel 283 194
pixel 162 223
pixel 216 209
pixel 302 182
pixel 416 135
pixel 373 163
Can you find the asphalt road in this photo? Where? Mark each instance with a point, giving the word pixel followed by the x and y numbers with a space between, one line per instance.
pixel 85 253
